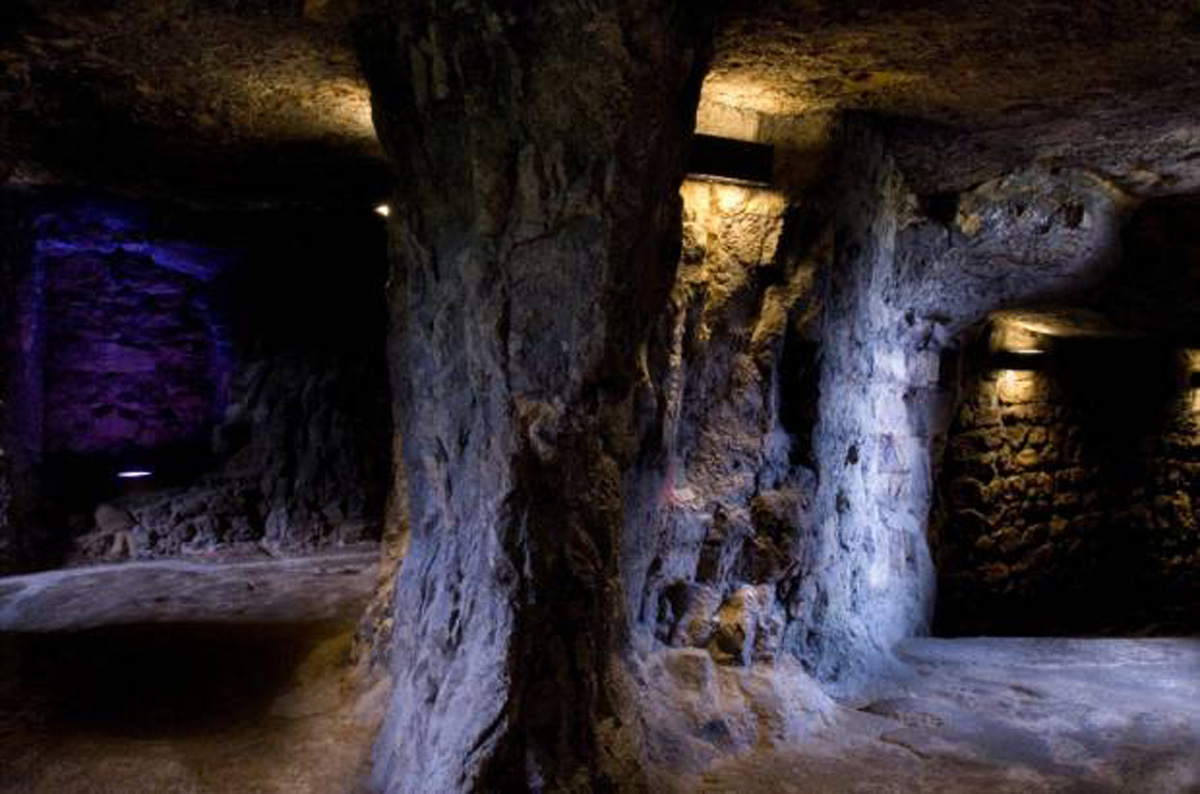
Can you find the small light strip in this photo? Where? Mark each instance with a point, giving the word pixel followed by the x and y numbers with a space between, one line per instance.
pixel 134 474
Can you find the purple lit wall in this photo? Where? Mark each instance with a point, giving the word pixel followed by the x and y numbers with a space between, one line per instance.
pixel 130 354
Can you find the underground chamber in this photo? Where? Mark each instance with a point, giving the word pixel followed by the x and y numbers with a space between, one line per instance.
pixel 412 397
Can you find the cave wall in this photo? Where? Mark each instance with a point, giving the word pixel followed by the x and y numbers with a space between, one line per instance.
pixel 300 453
pixel 132 356
pixel 869 576
pixel 237 355
pixel 730 481
pixel 1066 497
pixel 909 276
pixel 619 497
pixel 1166 516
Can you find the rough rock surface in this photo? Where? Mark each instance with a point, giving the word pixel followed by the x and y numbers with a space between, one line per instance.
pixel 130 352
pixel 541 151
pixel 713 553
pixel 1067 496
pixel 310 471
pixel 904 282
pixel 977 90
pixel 218 351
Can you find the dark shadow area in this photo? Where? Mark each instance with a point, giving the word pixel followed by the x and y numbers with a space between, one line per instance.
pixel 150 681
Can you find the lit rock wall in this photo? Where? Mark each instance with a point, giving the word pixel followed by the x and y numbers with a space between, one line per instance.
pixel 1066 499
pixel 540 149
pixel 868 579
pixel 1166 516
pixel 713 559
pixel 132 356
pixel 907 277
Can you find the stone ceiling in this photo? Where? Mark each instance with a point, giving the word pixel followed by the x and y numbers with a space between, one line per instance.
pixel 262 100
pixel 975 88
pixel 250 100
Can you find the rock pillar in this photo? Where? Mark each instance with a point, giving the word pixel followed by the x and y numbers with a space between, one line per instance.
pixel 539 149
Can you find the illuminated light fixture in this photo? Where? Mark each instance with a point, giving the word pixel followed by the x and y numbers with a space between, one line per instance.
pixel 1021 358
pixel 728 160
pixel 134 474
pixel 383 210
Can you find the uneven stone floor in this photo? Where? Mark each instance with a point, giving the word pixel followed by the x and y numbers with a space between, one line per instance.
pixel 184 677
pixel 1003 715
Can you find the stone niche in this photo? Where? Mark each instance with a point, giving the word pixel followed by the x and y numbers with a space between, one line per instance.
pixel 239 357
pixel 1066 491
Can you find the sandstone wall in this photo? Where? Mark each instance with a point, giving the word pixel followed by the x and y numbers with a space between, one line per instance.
pixel 539 150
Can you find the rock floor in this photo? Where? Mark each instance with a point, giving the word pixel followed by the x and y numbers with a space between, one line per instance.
pixel 1003 715
pixel 183 677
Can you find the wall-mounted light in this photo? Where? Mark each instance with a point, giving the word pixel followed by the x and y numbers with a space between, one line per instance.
pixel 383 210
pixel 729 160
pixel 134 474
pixel 1015 346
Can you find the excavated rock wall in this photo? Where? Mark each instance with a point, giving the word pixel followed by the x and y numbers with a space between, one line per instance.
pixel 310 469
pixel 1166 520
pixel 239 356
pixel 613 498
pixel 734 376
pixel 1067 498
pixel 540 150
pixel 908 277
pixel 131 353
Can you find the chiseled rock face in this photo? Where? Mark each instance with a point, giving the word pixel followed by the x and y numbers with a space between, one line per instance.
pixel 230 353
pixel 904 282
pixel 540 151
pixel 310 466
pixel 130 352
